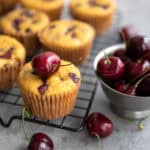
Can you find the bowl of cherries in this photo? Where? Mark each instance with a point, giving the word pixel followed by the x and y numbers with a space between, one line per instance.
pixel 124 73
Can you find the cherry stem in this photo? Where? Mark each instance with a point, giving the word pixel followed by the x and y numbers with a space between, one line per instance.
pixel 23 124
pixel 107 59
pixel 65 65
pixel 140 124
pixel 143 75
pixel 99 142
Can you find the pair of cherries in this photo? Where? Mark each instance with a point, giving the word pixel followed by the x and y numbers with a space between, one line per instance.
pixel 125 66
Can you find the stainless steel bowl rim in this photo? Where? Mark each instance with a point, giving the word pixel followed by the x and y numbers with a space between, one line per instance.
pixel 101 54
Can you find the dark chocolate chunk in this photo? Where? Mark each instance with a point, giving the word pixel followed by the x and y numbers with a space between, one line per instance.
pixel 43 88
pixel 70 29
pixel 74 77
pixel 7 55
pixel 16 23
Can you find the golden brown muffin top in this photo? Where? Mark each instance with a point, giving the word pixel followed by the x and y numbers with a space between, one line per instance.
pixel 93 8
pixel 64 80
pixel 67 34
pixel 44 5
pixel 23 22
pixel 10 51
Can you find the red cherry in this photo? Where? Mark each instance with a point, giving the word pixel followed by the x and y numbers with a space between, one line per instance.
pixel 111 68
pixel 128 32
pixel 143 88
pixel 99 125
pixel 46 64
pixel 121 86
pixel 147 56
pixel 121 53
pixel 40 141
pixel 134 69
pixel 137 47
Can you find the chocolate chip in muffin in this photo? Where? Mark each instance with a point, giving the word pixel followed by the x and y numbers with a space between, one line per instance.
pixel 42 88
pixel 27 13
pixel 74 77
pixel 7 54
pixel 70 29
pixel 16 23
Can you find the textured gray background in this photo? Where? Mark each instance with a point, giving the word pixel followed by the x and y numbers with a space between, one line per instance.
pixel 125 136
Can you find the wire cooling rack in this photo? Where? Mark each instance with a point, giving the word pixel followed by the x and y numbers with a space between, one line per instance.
pixel 11 101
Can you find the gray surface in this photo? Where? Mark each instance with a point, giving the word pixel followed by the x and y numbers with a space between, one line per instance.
pixel 125 136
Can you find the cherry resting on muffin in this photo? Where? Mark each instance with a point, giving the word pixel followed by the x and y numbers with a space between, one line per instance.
pixel 127 32
pixel 99 125
pixel 40 141
pixel 111 68
pixel 45 64
pixel 138 47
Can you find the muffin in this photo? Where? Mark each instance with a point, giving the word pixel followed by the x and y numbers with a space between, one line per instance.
pixel 70 39
pixel 53 97
pixel 6 5
pixel 12 57
pixel 98 13
pixel 52 8
pixel 24 25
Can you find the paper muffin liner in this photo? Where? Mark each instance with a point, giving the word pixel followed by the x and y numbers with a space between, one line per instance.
pixel 77 55
pixel 50 106
pixel 6 5
pixel 101 24
pixel 8 75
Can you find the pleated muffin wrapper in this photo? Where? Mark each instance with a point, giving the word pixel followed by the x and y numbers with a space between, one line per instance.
pixel 9 74
pixel 77 55
pixel 6 5
pixel 50 106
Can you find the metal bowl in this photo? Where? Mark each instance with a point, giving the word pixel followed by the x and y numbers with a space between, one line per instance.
pixel 131 107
